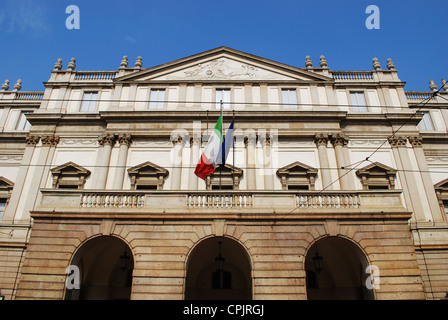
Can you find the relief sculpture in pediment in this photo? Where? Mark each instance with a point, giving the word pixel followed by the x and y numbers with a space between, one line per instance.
pixel 221 69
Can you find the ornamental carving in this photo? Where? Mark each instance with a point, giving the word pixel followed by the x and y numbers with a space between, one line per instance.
pixel 339 139
pixel 50 141
pixel 416 141
pixel 221 69
pixel 32 140
pixel 125 139
pixel 397 141
pixel 321 139
pixel 107 139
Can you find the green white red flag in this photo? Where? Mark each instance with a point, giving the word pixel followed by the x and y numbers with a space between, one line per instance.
pixel 209 158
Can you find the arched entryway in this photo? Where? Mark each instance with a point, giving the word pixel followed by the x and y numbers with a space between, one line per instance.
pixel 105 266
pixel 218 268
pixel 336 269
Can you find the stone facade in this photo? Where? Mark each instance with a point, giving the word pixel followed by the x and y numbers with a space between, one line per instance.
pixel 330 164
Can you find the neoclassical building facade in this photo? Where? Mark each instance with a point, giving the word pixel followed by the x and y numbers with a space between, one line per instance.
pixel 336 186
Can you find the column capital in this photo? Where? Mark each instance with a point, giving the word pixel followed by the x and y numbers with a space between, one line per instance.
pixel 32 140
pixel 107 139
pixel 250 139
pixel 195 139
pixel 397 141
pixel 321 139
pixel 50 141
pixel 339 139
pixel 125 139
pixel 178 140
pixel 416 141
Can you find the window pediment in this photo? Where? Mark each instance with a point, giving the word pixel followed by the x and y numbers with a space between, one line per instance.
pixel 297 176
pixel 377 176
pixel 225 178
pixel 147 176
pixel 69 175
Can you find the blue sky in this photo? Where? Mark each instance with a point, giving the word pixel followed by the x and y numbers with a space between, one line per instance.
pixel 412 33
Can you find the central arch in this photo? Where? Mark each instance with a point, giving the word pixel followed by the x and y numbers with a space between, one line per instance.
pixel 208 279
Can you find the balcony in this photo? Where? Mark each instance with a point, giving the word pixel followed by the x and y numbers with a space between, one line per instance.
pixel 121 204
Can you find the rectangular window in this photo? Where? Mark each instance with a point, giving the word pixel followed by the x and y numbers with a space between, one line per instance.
pixel 358 101
pixel 445 206
pixel 22 123
pixel 2 207
pixel 289 98
pixel 88 103
pixel 224 96
pixel 426 122
pixel 157 99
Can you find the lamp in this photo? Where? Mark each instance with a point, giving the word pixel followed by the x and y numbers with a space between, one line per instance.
pixel 317 262
pixel 124 260
pixel 219 259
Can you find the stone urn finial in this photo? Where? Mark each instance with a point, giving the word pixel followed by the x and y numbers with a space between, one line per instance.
pixel 72 64
pixel 432 85
pixel 308 62
pixel 138 62
pixel 18 85
pixel 376 64
pixel 124 62
pixel 323 62
pixel 390 64
pixel 5 86
pixel 58 64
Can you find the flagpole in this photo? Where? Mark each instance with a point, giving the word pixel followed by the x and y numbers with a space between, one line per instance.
pixel 233 153
pixel 221 164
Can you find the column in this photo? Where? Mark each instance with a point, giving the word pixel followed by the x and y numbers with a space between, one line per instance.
pixel 340 149
pixel 410 192
pixel 416 143
pixel 267 163
pixel 39 175
pixel 250 160
pixel 31 141
pixel 321 141
pixel 125 141
pixel 177 163
pixel 107 141
pixel 194 146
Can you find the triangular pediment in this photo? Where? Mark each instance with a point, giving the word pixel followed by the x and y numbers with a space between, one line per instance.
pixel 442 185
pixel 224 64
pixel 297 167
pixel 376 167
pixel 148 168
pixel 5 184
pixel 70 167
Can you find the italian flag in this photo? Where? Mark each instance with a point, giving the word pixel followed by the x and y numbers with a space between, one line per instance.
pixel 209 158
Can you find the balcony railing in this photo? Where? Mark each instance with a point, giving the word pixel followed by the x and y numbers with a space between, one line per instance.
pixel 353 75
pixel 95 75
pixel 218 202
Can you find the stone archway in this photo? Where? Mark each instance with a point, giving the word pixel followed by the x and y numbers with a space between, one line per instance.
pixel 342 271
pixel 205 280
pixel 105 266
